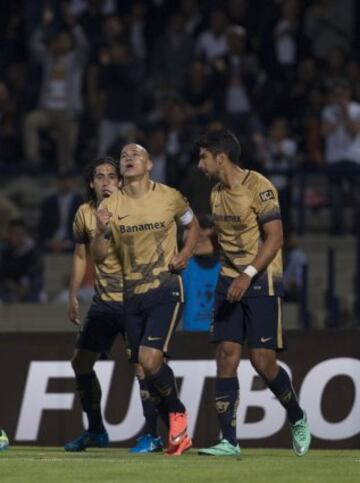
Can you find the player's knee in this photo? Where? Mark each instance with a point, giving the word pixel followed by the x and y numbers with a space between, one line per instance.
pixel 80 365
pixel 263 365
pixel 150 363
pixel 227 361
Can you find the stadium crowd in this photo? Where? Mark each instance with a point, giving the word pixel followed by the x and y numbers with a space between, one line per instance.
pixel 79 79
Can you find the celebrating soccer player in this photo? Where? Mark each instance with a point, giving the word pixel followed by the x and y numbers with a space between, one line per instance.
pixel 140 221
pixel 246 212
pixel 105 319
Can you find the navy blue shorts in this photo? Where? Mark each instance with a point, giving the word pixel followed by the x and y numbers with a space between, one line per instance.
pixel 152 318
pixel 257 320
pixel 103 323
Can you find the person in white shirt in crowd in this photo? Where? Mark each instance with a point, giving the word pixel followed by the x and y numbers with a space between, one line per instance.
pixel 212 43
pixel 341 131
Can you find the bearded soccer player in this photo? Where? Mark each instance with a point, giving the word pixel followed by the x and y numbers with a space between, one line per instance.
pixel 246 213
pixel 140 221
pixel 105 319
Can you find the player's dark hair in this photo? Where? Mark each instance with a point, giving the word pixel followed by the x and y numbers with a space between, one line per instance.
pixel 89 174
pixel 218 142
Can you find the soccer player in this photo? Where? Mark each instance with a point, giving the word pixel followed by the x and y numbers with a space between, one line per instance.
pixel 246 212
pixel 142 218
pixel 105 319
pixel 4 440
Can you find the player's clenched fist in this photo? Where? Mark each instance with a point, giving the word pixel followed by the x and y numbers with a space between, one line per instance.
pixel 103 217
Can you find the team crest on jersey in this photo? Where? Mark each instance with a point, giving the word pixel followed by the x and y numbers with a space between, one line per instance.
pixel 267 195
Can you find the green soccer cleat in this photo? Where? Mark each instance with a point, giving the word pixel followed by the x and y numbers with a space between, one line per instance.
pixel 4 440
pixel 301 436
pixel 223 448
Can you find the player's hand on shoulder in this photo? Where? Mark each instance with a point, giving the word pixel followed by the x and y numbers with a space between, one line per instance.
pixel 238 288
pixel 103 217
pixel 73 311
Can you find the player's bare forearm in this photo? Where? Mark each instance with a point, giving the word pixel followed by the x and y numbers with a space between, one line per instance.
pixel 99 247
pixel 191 237
pixel 273 241
pixel 101 242
pixel 78 268
pixel 179 260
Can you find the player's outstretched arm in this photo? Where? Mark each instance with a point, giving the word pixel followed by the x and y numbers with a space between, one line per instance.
pixel 101 242
pixel 191 236
pixel 78 268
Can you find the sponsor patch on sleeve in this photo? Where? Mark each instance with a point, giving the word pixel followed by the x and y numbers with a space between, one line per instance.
pixel 267 195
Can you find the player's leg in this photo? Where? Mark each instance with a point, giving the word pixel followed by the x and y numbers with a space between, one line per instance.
pixel 227 332
pixel 96 337
pixel 161 322
pixel 150 441
pixel 265 337
pixel 89 392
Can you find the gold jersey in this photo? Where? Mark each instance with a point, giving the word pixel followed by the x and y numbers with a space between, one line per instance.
pixel 144 233
pixel 109 277
pixel 239 214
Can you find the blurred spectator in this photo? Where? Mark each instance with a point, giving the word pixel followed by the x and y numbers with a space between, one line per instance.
pixel 165 169
pixel 306 79
pixel 198 94
pixel 334 67
pixel 277 152
pixel 137 29
pixel 57 214
pixel 21 266
pixel 179 132
pixel 191 11
pixel 329 24
pixel 353 76
pixel 238 78
pixel 172 55
pixel 341 129
pixel 294 262
pixel 10 140
pixel 287 40
pixel 8 211
pixel 212 43
pixel 119 80
pixel 200 278
pixel 112 32
pixel 63 59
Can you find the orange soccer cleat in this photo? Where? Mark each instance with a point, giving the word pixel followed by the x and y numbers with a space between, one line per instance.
pixel 177 428
pixel 185 444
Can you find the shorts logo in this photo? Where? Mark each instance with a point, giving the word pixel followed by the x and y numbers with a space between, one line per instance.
pixel 267 195
pixel 265 339
pixel 154 338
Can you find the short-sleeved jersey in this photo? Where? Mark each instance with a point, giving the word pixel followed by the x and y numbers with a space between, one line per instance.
pixel 144 233
pixel 239 214
pixel 109 277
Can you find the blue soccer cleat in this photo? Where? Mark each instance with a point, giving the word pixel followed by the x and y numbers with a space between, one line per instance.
pixel 4 440
pixel 147 444
pixel 86 440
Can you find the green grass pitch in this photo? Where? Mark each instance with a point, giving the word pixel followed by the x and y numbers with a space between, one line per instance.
pixel 20 464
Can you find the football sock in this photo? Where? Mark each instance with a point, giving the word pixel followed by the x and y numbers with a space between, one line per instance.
pixel 88 388
pixel 158 403
pixel 283 390
pixel 149 408
pixel 227 401
pixel 164 382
